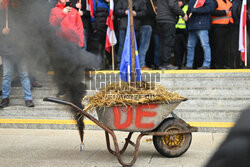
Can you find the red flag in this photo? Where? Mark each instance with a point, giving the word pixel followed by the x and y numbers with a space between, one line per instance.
pixel 199 3
pixel 242 34
pixel 90 7
pixel 3 3
pixel 110 35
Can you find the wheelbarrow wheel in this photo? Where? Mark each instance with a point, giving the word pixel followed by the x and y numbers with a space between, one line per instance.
pixel 172 145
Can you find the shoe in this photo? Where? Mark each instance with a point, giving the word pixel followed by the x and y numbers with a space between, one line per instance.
pixel 169 67
pixel 203 68
pixel 29 103
pixel 187 68
pixel 146 68
pixel 35 84
pixel 5 102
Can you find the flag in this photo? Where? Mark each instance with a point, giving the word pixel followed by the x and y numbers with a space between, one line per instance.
pixel 3 3
pixel 110 35
pixel 243 21
pixel 90 8
pixel 125 68
pixel 199 3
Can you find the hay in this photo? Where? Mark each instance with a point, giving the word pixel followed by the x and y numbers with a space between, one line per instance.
pixel 122 93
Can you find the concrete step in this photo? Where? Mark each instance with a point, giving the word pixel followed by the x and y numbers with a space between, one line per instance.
pixel 235 92
pixel 213 97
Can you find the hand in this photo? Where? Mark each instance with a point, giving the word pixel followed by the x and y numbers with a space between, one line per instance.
pixel 185 17
pixel 126 12
pixel 6 31
pixel 66 10
pixel 79 6
pixel 134 13
pixel 80 12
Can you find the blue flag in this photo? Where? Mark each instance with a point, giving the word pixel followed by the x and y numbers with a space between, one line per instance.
pixel 126 63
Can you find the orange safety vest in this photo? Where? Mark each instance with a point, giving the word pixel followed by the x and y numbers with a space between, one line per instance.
pixel 223 19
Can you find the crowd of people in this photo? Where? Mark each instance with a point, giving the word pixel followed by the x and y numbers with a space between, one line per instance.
pixel 171 34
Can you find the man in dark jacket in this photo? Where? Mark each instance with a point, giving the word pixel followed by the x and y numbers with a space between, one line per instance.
pixel 198 25
pixel 145 34
pixel 168 12
pixel 121 11
pixel 98 28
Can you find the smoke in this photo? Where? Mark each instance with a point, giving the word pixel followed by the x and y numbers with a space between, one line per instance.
pixel 33 40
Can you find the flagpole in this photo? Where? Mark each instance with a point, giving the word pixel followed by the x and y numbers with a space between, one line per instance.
pixel 113 58
pixel 245 45
pixel 7 19
pixel 133 72
pixel 153 6
pixel 80 1
pixel 112 50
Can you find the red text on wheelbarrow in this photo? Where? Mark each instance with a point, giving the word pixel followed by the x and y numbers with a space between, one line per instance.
pixel 142 111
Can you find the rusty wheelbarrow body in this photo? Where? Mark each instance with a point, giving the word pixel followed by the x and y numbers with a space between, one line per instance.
pixel 171 135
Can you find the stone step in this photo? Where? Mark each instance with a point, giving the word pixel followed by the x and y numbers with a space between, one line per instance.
pixel 237 93
pixel 213 97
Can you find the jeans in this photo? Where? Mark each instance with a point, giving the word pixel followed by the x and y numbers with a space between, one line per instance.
pixel 167 41
pixel 193 37
pixel 122 36
pixel 145 36
pixel 8 67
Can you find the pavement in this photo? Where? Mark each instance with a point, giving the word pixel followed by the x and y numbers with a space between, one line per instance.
pixel 61 148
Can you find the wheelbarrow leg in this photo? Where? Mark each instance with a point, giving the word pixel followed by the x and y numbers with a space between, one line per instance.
pixel 124 146
pixel 117 152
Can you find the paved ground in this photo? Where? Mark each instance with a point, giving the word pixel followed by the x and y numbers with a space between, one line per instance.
pixel 52 148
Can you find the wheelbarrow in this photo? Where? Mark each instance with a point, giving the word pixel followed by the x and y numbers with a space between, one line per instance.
pixel 172 136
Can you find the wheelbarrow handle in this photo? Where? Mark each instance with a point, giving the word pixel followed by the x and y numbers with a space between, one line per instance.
pixel 51 99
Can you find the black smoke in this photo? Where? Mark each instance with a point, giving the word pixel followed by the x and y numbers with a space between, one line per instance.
pixel 33 40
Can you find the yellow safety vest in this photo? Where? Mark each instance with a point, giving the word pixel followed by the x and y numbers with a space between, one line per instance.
pixel 181 23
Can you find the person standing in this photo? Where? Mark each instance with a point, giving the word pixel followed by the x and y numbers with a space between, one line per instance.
pixel 121 11
pixel 98 28
pixel 181 37
pixel 145 34
pixel 198 26
pixel 68 21
pixel 222 29
pixel 167 15
pixel 12 55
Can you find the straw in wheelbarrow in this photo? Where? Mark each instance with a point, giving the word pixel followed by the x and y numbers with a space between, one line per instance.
pixel 122 93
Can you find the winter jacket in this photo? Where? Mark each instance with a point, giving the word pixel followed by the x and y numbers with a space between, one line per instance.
pixel 149 18
pixel 86 14
pixel 201 17
pixel 138 5
pixel 101 12
pixel 69 25
pixel 168 11
pixel 236 9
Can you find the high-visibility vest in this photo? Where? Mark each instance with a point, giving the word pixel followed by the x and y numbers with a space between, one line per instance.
pixel 223 19
pixel 181 23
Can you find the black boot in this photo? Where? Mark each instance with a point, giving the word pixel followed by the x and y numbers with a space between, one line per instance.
pixel 5 102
